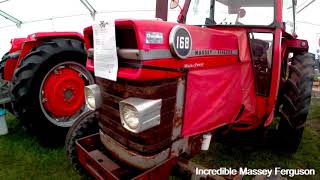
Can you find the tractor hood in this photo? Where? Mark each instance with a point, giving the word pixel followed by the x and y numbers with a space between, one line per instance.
pixel 152 47
pixel 202 38
pixel 159 43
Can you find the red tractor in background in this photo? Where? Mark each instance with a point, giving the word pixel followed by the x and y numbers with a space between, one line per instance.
pixel 46 72
pixel 226 66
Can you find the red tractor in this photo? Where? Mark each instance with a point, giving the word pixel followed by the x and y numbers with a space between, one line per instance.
pixel 226 66
pixel 47 75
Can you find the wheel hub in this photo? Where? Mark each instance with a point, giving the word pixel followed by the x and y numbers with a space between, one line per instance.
pixel 68 93
pixel 63 92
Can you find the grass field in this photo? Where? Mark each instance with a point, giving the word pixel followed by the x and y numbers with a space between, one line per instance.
pixel 21 157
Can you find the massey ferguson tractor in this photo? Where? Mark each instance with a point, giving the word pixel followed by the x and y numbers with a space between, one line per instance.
pixel 46 75
pixel 226 66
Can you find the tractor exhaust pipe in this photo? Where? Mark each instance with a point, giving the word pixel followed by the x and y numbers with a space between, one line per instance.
pixel 162 9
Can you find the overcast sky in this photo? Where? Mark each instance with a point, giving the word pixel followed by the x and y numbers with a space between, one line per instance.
pixel 76 17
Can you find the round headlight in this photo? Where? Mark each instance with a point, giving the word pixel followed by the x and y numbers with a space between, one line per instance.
pixel 130 116
pixel 90 99
pixel 93 96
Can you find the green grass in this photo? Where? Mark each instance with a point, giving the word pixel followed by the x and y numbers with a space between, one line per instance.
pixel 21 157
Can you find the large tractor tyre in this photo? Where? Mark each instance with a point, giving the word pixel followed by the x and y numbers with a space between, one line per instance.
pixel 86 125
pixel 48 88
pixel 2 64
pixel 4 85
pixel 295 101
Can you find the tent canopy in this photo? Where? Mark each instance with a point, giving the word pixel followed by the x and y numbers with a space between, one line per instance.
pixel 62 15
pixel 74 15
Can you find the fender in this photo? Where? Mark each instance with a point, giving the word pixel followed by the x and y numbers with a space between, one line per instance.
pixel 25 45
pixel 287 46
pixel 35 39
pixel 12 57
pixel 49 35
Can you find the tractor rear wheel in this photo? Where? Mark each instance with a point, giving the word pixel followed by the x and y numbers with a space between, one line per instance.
pixel 48 88
pixel 295 101
pixel 85 126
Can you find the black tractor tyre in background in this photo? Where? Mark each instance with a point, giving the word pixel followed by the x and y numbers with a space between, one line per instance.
pixel 2 69
pixel 6 85
pixel 85 126
pixel 2 63
pixel 294 101
pixel 27 81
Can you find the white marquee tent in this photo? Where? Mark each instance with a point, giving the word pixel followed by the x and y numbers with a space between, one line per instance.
pixel 74 15
pixel 65 15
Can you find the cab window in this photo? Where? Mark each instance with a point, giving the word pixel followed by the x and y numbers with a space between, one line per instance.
pixel 287 16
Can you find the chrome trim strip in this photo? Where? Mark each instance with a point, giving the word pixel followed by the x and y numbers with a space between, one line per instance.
pixel 163 53
pixel 135 54
pixel 128 53
pixel 154 54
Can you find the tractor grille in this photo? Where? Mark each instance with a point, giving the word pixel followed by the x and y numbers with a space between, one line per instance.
pixel 152 140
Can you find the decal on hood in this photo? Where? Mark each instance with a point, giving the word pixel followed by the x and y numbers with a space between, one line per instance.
pixel 180 42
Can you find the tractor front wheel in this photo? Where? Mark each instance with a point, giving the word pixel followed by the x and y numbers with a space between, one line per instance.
pixel 85 126
pixel 294 101
pixel 48 88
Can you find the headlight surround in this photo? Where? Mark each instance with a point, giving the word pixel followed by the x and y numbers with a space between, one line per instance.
pixel 138 115
pixel 93 96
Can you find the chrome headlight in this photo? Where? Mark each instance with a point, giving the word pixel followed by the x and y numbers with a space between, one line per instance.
pixel 130 116
pixel 93 96
pixel 138 115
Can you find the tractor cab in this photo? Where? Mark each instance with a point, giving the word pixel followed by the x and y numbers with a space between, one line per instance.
pixel 229 12
pixel 236 13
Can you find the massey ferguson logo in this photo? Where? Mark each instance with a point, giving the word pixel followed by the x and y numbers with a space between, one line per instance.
pixel 180 42
pixel 208 52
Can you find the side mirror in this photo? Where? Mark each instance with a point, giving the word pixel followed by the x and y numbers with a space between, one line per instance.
pixel 174 4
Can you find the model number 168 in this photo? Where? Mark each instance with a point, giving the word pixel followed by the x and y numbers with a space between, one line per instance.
pixel 183 42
